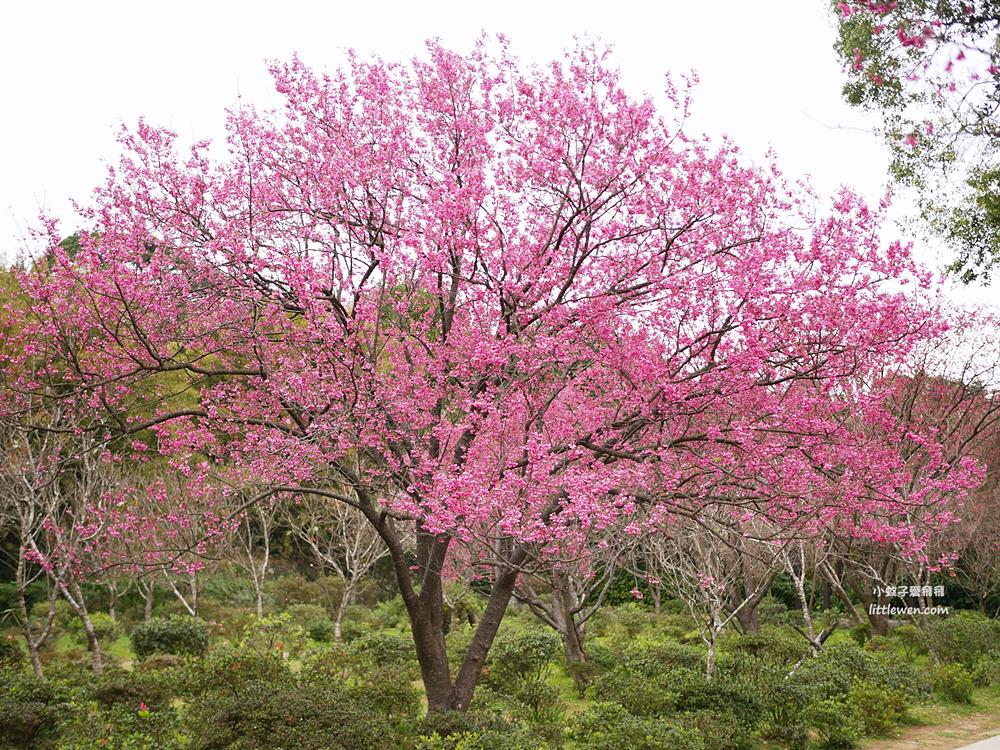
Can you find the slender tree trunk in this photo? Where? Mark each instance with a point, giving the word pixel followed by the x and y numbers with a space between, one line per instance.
pixel 93 643
pixel 482 640
pixel 147 611
pixel 845 599
pixel 258 600
pixel 193 586
pixel 710 659
pixel 29 636
pixel 338 622
pixel 112 601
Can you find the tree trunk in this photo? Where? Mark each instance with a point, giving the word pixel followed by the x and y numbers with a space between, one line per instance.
pixel 838 589
pixel 878 624
pixel 259 600
pixel 338 623
pixel 193 585
pixel 486 631
pixel 147 612
pixel 657 599
pixel 29 637
pixel 747 617
pixel 93 644
pixel 710 659
pixel 426 611
pixel 575 653
pixel 112 601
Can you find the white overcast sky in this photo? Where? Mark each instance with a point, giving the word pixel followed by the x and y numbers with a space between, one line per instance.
pixel 72 72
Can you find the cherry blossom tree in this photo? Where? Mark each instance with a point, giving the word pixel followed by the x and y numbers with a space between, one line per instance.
pixel 498 303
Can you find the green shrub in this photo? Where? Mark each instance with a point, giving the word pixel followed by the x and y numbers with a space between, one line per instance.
pixel 385 650
pixel 962 637
pixel 718 730
pixel 447 723
pixel 455 730
pixel 832 674
pixel 667 655
pixel 233 669
pixel 335 663
pixel 583 674
pixel 519 659
pixel 769 647
pixel 642 694
pixel 772 611
pixel 952 682
pixel 12 656
pixel 609 725
pixel 288 590
pixel 119 686
pixel 159 662
pixel 122 727
pixel 302 614
pixel 860 632
pixel 385 615
pixel 176 634
pixel 986 673
pixel 626 621
pixel 835 723
pixel 388 691
pixel 322 630
pixel 878 709
pixel 911 640
pixel 31 711
pixel 289 714
pixel 488 739
pixel 882 644
pixel 275 633
pixel 695 692
pixel 105 628
pixel 599 653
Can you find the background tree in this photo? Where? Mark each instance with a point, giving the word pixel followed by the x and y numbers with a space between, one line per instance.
pixel 340 538
pixel 930 69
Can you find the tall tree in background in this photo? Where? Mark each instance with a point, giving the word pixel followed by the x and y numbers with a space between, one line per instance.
pixel 931 70
pixel 506 307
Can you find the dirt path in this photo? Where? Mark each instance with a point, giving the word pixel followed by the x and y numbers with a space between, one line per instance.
pixel 960 731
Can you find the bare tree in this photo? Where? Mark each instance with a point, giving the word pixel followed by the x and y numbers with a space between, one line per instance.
pixel 252 545
pixel 698 560
pixel 341 540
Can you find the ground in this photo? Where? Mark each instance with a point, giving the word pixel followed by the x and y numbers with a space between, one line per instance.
pixel 946 727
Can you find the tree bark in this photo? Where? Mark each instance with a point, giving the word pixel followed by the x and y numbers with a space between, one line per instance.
pixel 29 636
pixel 338 623
pixel 93 643
pixel 747 617
pixel 147 611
